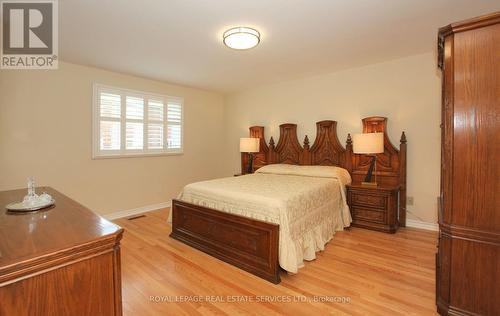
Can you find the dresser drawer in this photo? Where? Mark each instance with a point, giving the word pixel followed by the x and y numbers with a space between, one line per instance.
pixel 373 201
pixel 364 214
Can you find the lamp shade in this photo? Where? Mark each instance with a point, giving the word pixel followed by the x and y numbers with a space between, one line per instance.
pixel 249 145
pixel 368 143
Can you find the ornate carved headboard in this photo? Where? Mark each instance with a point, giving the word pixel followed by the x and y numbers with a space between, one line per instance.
pixel 327 150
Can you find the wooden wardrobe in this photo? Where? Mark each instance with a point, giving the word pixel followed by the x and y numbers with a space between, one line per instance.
pixel 468 258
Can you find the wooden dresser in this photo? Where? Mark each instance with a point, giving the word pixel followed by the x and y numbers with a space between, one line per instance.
pixel 64 260
pixel 468 258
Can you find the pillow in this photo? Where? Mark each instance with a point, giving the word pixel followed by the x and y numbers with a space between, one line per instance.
pixel 308 171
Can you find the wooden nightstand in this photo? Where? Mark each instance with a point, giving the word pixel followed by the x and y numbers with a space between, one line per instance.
pixel 374 208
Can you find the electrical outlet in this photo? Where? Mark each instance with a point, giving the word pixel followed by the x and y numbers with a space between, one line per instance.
pixel 409 200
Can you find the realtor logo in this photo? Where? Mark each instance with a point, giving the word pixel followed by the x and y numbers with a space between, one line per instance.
pixel 29 34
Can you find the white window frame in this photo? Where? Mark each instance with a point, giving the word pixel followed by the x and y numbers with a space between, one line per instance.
pixel 97 153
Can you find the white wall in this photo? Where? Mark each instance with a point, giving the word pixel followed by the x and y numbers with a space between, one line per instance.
pixel 406 91
pixel 45 131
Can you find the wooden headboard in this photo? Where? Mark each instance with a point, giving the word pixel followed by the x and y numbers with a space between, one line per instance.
pixel 327 150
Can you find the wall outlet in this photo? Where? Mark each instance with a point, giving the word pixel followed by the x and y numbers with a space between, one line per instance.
pixel 409 200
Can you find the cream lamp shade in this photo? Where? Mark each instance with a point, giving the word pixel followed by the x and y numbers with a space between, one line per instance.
pixel 368 143
pixel 249 145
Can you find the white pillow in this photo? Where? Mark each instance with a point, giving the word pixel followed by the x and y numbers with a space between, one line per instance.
pixel 308 171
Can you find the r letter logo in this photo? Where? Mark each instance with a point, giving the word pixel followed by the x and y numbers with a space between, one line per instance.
pixel 29 34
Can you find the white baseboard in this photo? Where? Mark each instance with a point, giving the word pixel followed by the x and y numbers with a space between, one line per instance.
pixel 422 225
pixel 136 211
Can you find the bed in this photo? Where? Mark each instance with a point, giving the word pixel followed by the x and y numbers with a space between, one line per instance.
pixel 307 202
pixel 277 217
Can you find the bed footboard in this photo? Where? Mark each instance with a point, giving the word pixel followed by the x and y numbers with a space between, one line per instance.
pixel 248 244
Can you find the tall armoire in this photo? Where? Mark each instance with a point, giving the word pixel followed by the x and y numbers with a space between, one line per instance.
pixel 468 258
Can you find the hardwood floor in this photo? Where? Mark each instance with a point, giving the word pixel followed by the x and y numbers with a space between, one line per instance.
pixel 361 272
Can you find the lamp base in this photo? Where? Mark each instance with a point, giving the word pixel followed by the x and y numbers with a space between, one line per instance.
pixel 250 163
pixel 369 184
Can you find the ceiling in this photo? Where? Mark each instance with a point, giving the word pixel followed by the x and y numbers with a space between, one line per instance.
pixel 180 41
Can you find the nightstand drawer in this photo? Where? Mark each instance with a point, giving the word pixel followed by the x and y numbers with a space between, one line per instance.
pixel 364 214
pixel 373 201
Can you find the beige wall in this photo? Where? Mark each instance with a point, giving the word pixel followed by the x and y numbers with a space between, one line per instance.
pixel 45 131
pixel 406 90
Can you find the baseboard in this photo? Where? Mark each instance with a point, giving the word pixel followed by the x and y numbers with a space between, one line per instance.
pixel 422 225
pixel 138 210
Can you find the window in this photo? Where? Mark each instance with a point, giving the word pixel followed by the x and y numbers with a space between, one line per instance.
pixel 132 123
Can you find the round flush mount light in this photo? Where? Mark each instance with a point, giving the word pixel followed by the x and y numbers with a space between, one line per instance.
pixel 241 38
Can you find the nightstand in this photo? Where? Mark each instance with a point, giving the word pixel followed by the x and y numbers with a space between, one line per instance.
pixel 374 208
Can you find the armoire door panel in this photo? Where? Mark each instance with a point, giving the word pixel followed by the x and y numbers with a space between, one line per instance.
pixel 475 277
pixel 476 128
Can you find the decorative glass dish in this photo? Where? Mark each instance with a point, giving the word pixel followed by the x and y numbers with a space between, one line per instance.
pixel 22 207
pixel 32 201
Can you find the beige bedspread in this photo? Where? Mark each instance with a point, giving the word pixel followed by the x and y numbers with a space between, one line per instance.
pixel 308 204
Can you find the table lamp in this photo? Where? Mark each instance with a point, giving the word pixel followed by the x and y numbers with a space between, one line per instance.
pixel 249 146
pixel 369 144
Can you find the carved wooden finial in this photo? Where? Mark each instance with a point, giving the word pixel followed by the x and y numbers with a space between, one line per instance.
pixel 403 138
pixel 306 142
pixel 349 139
pixel 271 142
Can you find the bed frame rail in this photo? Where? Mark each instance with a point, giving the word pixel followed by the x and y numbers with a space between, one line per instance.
pixel 249 244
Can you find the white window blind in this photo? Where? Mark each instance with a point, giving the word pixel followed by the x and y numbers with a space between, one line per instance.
pixel 128 123
pixel 174 119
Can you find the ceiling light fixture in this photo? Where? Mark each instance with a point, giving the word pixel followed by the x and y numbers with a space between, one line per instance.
pixel 241 38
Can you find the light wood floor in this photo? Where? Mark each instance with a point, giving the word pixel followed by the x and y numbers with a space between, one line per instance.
pixel 380 274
